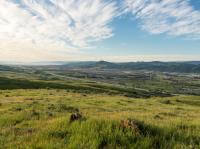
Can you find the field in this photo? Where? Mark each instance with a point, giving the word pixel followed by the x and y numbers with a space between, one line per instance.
pixel 136 111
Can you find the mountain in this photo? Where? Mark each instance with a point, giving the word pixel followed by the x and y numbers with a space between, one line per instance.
pixel 179 67
pixel 6 68
pixel 182 67
pixel 11 68
pixel 194 62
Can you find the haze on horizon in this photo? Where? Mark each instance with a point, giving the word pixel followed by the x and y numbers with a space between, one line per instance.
pixel 114 30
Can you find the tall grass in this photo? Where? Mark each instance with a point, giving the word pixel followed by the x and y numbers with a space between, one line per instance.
pixel 41 119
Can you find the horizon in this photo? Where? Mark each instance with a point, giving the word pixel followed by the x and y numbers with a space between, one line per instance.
pixel 49 63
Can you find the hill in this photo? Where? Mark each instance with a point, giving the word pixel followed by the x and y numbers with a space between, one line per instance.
pixel 42 119
pixel 98 105
pixel 180 67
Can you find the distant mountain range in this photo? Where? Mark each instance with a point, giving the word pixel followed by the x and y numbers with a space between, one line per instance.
pixel 181 67
pixel 8 68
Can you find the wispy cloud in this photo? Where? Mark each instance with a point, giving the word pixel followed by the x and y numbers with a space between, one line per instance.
pixel 173 17
pixel 54 29
pixel 54 24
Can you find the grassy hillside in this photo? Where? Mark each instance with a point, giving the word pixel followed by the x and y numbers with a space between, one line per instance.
pixel 152 81
pixel 48 107
pixel 41 119
pixel 8 83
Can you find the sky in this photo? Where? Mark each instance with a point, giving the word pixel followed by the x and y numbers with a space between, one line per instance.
pixel 112 30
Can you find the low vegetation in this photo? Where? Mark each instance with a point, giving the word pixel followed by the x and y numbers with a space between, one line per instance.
pixel 46 107
pixel 7 83
pixel 42 119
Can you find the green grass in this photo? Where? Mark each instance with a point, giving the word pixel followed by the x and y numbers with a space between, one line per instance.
pixel 14 83
pixel 39 118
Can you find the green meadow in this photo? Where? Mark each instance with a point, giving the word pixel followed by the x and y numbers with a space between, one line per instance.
pixel 40 118
pixel 55 108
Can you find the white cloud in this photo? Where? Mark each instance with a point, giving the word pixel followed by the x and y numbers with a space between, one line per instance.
pixel 173 17
pixel 35 30
pixel 48 25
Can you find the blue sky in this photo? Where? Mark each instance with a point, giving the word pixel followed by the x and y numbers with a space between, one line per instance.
pixel 130 39
pixel 116 30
